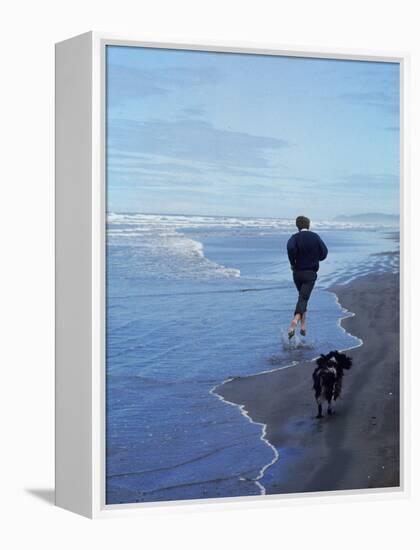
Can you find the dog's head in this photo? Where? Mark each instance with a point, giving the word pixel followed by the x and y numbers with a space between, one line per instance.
pixel 334 363
pixel 323 361
pixel 340 360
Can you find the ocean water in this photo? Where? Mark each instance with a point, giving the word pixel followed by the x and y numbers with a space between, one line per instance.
pixel 191 302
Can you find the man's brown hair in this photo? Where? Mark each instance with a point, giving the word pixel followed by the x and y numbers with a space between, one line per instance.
pixel 302 222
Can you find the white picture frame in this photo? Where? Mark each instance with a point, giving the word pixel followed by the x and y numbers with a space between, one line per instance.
pixel 80 268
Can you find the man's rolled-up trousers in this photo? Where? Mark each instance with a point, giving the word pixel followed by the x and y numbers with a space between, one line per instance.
pixel 305 282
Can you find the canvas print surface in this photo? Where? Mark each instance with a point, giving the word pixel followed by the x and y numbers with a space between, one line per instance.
pixel 252 275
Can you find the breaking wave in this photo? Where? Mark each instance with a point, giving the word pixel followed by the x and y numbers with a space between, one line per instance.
pixel 161 250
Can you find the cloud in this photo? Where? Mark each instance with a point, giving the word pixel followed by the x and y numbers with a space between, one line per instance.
pixel 193 141
pixel 371 180
pixel 193 111
pixel 362 184
pixel 127 83
pixel 384 101
pixel 394 128
pixel 135 166
pixel 271 176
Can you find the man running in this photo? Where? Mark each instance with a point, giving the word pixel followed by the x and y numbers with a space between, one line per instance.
pixel 305 250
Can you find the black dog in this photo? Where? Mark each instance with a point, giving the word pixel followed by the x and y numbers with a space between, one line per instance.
pixel 328 378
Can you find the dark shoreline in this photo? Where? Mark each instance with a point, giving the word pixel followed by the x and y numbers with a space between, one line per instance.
pixel 359 446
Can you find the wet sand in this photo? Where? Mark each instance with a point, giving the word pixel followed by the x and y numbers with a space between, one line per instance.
pixel 358 447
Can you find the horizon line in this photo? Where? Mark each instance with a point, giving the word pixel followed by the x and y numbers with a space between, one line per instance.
pixel 245 216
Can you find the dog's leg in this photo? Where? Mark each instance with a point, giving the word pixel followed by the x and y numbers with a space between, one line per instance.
pixel 329 410
pixel 319 410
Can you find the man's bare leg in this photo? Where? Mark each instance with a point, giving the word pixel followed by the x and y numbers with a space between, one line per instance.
pixel 303 325
pixel 293 325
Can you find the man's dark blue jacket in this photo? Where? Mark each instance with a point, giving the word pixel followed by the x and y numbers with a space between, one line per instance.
pixel 305 250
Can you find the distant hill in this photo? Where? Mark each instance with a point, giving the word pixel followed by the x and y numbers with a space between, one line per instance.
pixel 370 217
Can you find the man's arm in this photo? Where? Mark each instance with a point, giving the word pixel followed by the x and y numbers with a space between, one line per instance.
pixel 323 250
pixel 292 251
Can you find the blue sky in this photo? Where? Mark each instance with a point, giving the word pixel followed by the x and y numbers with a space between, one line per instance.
pixel 239 134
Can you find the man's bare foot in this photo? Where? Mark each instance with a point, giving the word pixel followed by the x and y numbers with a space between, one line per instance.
pixel 292 328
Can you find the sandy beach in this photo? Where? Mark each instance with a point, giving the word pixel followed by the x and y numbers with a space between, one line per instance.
pixel 358 447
